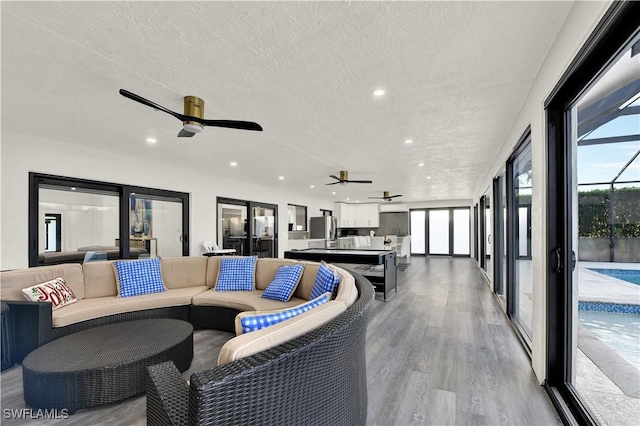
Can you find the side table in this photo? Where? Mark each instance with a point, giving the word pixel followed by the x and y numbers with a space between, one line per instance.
pixel 7 359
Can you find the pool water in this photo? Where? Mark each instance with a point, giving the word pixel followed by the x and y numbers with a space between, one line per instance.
pixel 629 275
pixel 621 332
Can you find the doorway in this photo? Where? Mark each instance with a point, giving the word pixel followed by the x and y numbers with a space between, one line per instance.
pixel 53 232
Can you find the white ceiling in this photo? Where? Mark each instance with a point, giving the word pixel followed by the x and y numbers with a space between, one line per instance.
pixel 456 76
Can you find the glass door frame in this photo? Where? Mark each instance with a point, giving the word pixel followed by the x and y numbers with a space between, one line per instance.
pixel 426 223
pixel 612 34
pixel 500 278
pixel 36 180
pixel 250 205
pixel 451 231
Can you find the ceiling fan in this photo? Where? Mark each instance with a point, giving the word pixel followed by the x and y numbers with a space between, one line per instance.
pixel 387 197
pixel 344 179
pixel 192 119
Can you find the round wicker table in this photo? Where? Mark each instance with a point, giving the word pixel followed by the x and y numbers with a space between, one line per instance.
pixel 104 364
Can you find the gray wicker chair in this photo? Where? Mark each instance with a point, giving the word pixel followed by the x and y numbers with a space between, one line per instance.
pixel 318 378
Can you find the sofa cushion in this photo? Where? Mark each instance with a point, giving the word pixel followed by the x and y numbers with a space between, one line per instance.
pixel 247 322
pixel 136 277
pixel 284 283
pixel 347 291
pixel 326 281
pixel 14 281
pixel 180 272
pixel 55 292
pixel 99 279
pixel 237 274
pixel 267 268
pixel 258 341
pixel 306 282
pixel 88 309
pixel 242 300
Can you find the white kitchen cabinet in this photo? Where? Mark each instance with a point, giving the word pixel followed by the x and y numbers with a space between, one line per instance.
pixel 366 215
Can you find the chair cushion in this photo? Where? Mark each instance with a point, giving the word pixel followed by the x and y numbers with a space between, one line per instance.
pixel 136 277
pixel 55 292
pixel 326 281
pixel 284 283
pixel 252 321
pixel 14 281
pixel 237 274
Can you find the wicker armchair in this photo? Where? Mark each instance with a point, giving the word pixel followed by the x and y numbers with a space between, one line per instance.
pixel 318 378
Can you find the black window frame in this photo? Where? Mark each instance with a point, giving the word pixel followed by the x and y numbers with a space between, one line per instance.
pixel 123 191
pixel 306 215
pixel 612 34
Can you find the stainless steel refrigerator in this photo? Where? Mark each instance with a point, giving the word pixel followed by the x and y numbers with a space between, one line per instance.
pixel 323 228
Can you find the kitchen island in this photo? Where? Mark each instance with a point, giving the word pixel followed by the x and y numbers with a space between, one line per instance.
pixel 387 258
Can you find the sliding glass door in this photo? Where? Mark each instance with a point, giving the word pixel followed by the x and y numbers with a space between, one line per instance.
pixel 418 230
pixel 594 228
pixel 520 179
pixel 438 232
pixel 500 276
pixel 248 227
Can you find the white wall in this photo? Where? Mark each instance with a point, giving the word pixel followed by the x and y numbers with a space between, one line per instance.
pixel 22 154
pixel 580 23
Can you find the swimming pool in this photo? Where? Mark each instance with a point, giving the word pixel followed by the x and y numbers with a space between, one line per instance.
pixel 629 275
pixel 621 332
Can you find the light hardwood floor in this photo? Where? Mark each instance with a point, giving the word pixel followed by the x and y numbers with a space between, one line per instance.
pixel 439 352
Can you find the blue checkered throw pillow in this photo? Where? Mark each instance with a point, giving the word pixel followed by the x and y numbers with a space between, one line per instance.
pixel 237 274
pixel 284 283
pixel 138 277
pixel 260 321
pixel 326 282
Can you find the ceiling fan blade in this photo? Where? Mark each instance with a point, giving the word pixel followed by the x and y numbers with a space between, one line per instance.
pixel 335 177
pixel 154 105
pixel 394 196
pixel 231 124
pixel 332 183
pixel 185 134
pixel 359 181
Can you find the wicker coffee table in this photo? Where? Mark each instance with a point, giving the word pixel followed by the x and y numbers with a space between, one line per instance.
pixel 103 364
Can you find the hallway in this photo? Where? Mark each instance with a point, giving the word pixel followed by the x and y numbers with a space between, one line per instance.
pixel 440 351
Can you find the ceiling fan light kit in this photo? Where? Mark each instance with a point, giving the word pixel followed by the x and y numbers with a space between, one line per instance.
pixel 193 107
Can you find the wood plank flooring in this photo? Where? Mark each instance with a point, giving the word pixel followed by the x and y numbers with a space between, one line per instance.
pixel 439 352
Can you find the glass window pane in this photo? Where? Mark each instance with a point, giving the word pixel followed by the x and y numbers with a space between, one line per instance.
pixel 232 227
pixel 417 231
pixel 155 226
pixel 522 181
pixel 606 241
pixel 79 220
pixel 439 232
pixel 461 229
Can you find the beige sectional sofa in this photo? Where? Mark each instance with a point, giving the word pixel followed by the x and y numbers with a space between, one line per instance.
pixel 190 295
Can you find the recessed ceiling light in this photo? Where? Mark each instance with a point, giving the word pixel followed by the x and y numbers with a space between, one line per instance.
pixel 357 201
pixel 312 186
pixel 233 164
pixel 347 198
pixel 333 193
pixel 433 186
pixel 151 140
pixel 408 141
pixel 378 92
pixel 73 188
pixel 428 177
pixel 281 177
pixel 420 164
pixel 439 197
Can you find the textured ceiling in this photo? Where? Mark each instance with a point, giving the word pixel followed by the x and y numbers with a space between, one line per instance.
pixel 456 76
